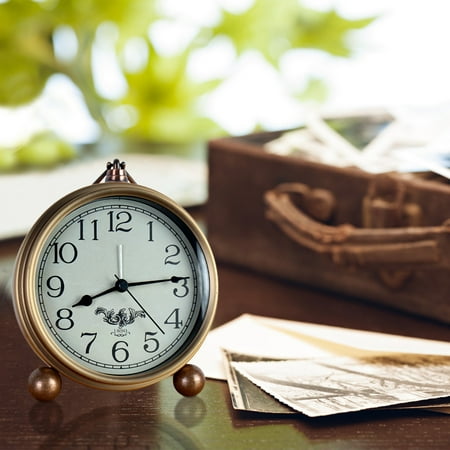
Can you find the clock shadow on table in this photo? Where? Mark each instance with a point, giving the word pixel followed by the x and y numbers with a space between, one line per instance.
pixel 137 420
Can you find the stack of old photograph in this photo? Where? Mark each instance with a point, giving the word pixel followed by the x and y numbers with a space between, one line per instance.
pixel 284 367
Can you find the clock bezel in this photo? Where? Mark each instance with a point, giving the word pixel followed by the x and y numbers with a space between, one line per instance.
pixel 26 302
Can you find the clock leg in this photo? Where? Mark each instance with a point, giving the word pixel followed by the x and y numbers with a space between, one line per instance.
pixel 189 380
pixel 44 384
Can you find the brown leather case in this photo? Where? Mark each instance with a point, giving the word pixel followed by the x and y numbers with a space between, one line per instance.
pixel 382 238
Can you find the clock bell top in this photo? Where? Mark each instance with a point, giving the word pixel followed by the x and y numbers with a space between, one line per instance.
pixel 115 172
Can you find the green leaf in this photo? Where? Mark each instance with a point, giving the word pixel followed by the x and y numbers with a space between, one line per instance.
pixel 264 27
pixel 327 31
pixel 45 149
pixel 174 126
pixel 8 159
pixel 273 30
pixel 21 78
pixel 166 100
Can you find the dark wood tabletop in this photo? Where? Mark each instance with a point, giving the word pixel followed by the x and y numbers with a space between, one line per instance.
pixel 158 417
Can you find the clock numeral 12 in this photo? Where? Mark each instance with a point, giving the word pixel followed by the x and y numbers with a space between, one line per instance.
pixel 116 221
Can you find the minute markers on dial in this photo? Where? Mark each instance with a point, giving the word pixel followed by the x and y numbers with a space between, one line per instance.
pixel 122 285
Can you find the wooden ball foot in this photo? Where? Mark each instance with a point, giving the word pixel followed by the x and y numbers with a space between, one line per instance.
pixel 44 384
pixel 189 380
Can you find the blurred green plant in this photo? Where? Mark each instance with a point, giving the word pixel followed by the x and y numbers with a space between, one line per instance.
pixel 159 96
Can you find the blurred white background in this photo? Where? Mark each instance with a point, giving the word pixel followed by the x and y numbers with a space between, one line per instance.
pixel 401 60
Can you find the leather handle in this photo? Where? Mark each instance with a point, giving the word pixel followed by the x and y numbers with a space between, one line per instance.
pixel 377 247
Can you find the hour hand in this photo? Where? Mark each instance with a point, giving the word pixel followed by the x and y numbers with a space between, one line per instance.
pixel 86 300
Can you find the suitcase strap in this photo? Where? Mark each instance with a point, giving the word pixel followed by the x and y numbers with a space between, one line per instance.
pixel 400 248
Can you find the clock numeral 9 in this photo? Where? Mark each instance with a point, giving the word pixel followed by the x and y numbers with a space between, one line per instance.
pixel 55 285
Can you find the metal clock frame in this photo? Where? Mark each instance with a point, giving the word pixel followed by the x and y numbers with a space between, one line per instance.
pixel 26 301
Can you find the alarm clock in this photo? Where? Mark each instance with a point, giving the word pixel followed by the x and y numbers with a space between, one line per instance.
pixel 115 287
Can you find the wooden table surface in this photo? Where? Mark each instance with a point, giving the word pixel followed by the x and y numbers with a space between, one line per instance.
pixel 158 417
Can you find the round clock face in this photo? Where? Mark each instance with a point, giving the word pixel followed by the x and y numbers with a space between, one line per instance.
pixel 122 287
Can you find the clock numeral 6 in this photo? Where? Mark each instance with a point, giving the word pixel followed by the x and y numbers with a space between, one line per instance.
pixel 119 351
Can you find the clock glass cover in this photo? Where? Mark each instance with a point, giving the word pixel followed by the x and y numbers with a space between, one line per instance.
pixel 122 286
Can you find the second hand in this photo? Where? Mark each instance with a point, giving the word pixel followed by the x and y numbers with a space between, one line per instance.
pixel 143 309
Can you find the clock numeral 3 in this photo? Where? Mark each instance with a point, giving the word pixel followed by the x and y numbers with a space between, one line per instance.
pixel 182 291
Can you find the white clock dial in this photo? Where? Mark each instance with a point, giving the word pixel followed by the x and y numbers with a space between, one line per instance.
pixel 121 285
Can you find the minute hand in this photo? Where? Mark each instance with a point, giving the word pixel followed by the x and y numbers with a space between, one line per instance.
pixel 171 279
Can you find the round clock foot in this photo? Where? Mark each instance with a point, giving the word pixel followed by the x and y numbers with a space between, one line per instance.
pixel 189 380
pixel 44 384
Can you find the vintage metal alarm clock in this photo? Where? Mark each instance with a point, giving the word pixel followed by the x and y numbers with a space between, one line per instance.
pixel 115 287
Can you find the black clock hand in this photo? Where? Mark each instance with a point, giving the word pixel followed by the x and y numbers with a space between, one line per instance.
pixel 171 279
pixel 143 309
pixel 123 287
pixel 86 300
